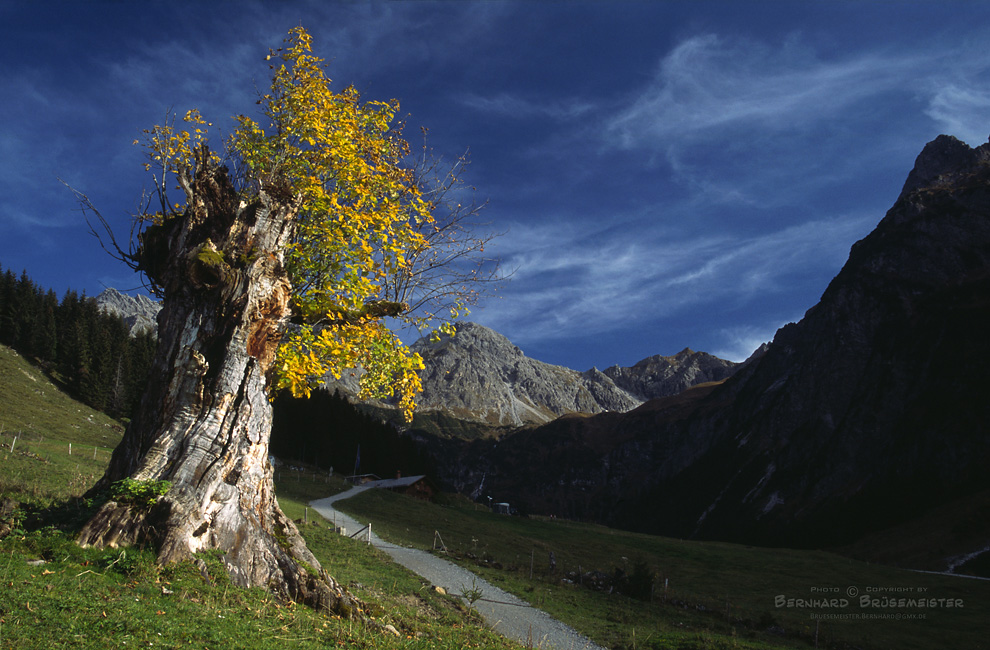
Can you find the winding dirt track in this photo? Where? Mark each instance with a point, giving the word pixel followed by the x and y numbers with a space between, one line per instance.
pixel 505 613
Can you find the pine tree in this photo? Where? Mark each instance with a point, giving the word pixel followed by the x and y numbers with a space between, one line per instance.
pixel 8 313
pixel 25 313
pixel 44 337
pixel 68 338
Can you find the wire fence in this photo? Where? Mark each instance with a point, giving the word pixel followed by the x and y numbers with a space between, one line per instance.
pixel 38 445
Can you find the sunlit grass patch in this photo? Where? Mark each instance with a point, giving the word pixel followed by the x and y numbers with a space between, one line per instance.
pixel 55 594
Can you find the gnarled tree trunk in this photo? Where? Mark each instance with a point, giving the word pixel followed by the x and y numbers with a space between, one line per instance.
pixel 205 419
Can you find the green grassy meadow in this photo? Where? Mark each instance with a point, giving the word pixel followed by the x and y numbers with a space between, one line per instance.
pixel 704 594
pixel 38 423
pixel 54 594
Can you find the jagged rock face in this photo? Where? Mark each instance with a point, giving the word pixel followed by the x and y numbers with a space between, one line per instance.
pixel 660 376
pixel 944 161
pixel 139 312
pixel 871 408
pixel 478 374
pixel 866 413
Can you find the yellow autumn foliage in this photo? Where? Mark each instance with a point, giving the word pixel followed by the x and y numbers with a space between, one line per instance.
pixel 362 214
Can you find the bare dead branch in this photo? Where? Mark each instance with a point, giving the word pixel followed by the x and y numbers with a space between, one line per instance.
pixel 102 231
pixel 451 269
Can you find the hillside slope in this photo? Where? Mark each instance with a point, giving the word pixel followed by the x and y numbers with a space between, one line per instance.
pixel 868 412
pixel 51 446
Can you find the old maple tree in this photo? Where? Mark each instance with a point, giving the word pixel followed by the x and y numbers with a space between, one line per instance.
pixel 318 224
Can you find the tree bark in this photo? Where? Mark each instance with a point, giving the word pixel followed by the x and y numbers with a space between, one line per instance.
pixel 204 421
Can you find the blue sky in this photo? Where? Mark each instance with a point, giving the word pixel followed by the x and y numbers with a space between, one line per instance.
pixel 668 174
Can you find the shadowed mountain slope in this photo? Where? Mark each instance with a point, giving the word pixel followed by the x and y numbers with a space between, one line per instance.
pixel 866 413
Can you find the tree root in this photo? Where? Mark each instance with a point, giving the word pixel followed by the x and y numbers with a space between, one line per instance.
pixel 280 562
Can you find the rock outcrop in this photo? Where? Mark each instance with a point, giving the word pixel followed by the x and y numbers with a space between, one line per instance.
pixel 479 375
pixel 660 376
pixel 139 312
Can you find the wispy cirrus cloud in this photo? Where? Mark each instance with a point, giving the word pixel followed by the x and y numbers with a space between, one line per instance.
pixel 743 121
pixel 711 84
pixel 517 107
pixel 962 110
pixel 570 282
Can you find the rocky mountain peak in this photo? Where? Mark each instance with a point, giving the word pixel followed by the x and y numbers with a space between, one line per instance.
pixel 662 376
pixel 472 338
pixel 139 312
pixel 480 375
pixel 942 161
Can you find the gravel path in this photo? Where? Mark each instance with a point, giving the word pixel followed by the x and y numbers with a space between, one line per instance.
pixel 506 614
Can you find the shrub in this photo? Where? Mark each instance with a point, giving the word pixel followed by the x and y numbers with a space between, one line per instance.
pixel 142 494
